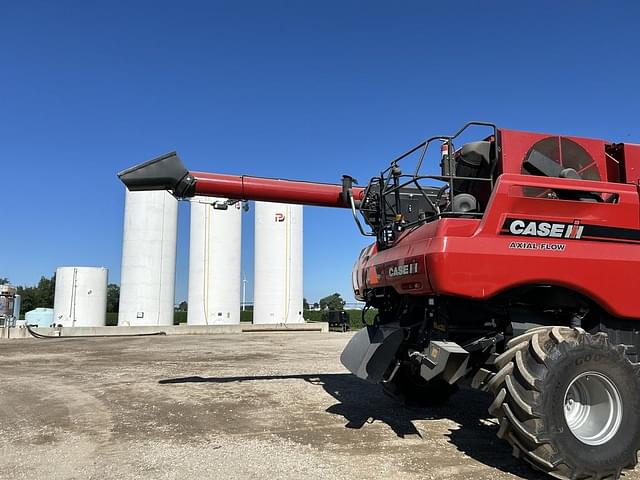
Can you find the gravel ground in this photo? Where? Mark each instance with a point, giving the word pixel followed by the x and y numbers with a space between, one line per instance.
pixel 246 406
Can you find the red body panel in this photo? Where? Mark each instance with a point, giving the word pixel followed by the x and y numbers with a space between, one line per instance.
pixel 631 162
pixel 476 259
pixel 516 145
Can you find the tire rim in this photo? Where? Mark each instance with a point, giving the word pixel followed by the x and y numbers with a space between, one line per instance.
pixel 592 408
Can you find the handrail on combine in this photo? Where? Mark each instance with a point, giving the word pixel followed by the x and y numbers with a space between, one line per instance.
pixel 391 181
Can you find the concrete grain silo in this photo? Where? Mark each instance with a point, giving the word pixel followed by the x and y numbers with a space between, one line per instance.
pixel 147 282
pixel 214 262
pixel 278 296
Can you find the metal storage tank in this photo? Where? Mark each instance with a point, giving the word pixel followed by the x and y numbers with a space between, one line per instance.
pixel 80 297
pixel 147 281
pixel 7 303
pixel 39 317
pixel 17 304
pixel 277 295
pixel 214 262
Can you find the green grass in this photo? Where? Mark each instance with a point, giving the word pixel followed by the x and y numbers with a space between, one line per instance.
pixel 179 317
pixel 112 319
pixel 355 317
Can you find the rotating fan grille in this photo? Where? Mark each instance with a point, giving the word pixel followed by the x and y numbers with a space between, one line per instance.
pixel 567 154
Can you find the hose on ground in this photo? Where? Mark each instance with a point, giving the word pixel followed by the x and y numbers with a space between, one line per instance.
pixel 42 336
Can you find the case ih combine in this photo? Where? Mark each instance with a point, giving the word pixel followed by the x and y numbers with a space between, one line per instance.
pixel 513 269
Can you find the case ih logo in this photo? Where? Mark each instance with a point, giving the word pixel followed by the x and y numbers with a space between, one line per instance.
pixel 400 270
pixel 279 217
pixel 537 228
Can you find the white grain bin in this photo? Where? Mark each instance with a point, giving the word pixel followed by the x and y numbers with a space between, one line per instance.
pixel 80 297
pixel 147 281
pixel 214 262
pixel 277 295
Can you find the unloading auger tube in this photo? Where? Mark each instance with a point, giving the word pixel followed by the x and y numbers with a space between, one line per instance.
pixel 168 173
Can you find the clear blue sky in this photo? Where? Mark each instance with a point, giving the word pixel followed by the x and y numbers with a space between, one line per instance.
pixel 307 90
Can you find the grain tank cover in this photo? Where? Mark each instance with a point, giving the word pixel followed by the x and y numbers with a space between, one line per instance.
pixel 163 173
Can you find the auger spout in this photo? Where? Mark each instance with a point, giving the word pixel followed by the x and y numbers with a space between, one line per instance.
pixel 168 173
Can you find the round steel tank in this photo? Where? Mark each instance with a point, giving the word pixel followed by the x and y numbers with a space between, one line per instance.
pixel 147 281
pixel 39 317
pixel 17 305
pixel 80 298
pixel 214 262
pixel 277 295
pixel 7 299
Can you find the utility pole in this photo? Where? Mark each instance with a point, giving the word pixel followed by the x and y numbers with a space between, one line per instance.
pixel 244 292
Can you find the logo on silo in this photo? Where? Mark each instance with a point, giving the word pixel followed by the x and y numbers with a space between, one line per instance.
pixel 279 217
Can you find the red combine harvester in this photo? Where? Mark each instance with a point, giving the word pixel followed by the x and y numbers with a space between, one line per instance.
pixel 513 270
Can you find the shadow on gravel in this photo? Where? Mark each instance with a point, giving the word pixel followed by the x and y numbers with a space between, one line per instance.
pixel 361 403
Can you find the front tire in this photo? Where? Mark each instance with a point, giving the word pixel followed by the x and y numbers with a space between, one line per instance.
pixel 568 403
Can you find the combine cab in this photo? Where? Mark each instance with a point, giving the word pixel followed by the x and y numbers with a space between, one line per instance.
pixel 508 265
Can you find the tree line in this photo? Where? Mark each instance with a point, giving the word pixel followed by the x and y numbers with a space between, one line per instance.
pixel 42 295
pixel 330 302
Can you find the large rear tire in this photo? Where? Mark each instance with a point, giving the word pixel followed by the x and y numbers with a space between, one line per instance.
pixel 568 403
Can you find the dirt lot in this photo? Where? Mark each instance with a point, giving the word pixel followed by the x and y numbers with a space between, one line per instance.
pixel 246 406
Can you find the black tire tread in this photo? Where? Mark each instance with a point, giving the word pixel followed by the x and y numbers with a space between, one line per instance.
pixel 504 358
pixel 521 369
